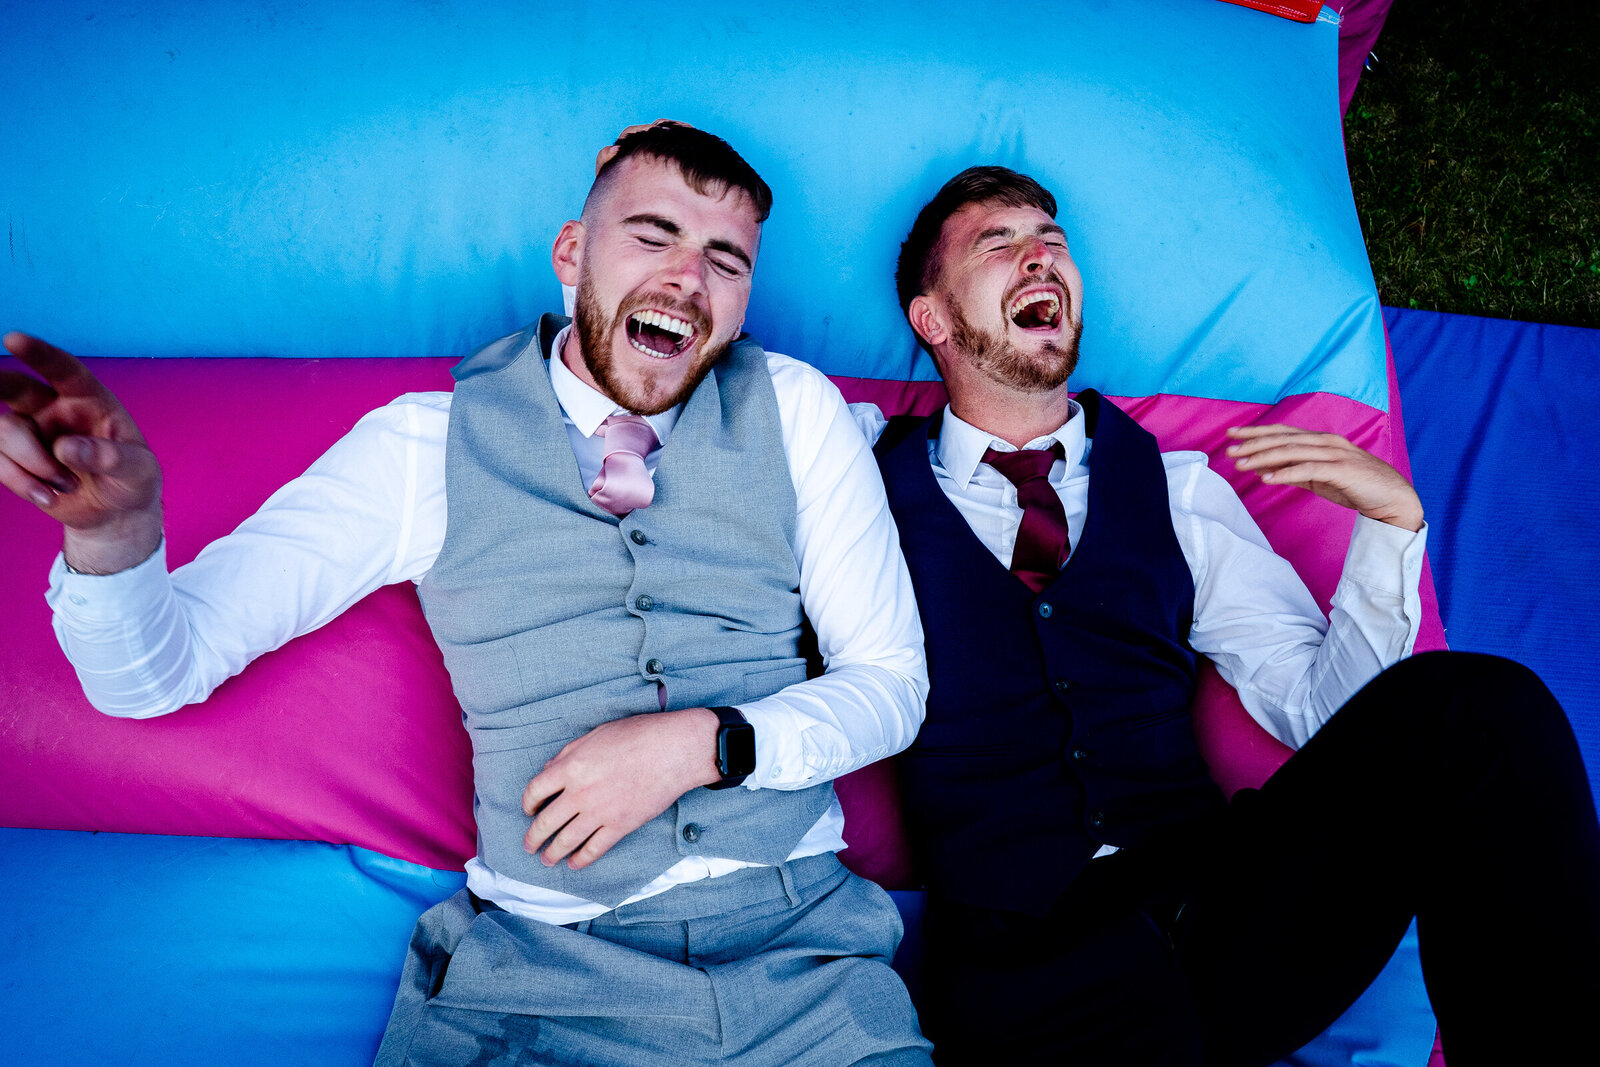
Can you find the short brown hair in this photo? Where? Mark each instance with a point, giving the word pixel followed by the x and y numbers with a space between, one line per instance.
pixel 706 161
pixel 917 269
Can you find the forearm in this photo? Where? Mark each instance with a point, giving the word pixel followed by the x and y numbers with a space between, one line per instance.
pixel 126 638
pixel 1294 674
pixel 145 643
pixel 1375 614
pixel 856 591
pixel 829 726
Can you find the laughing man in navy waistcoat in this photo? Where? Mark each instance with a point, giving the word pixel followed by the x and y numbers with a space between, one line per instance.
pixel 1092 898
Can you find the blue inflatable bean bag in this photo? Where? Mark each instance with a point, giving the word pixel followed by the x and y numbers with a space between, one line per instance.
pixel 258 219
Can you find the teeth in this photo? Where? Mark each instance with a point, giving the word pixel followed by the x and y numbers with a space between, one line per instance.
pixel 652 353
pixel 662 321
pixel 1025 299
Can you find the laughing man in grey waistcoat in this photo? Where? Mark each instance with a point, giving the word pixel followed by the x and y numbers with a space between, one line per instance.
pixel 655 879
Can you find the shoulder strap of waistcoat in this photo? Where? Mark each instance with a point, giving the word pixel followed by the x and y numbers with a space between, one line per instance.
pixel 899 428
pixel 499 354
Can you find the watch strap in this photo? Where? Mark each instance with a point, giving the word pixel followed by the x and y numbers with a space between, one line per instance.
pixel 731 721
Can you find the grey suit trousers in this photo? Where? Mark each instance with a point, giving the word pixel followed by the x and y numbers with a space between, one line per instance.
pixel 765 966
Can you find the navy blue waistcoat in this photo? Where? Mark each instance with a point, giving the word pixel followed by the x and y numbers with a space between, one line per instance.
pixel 1058 721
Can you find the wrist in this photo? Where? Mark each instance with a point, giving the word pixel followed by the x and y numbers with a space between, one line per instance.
pixel 112 546
pixel 700 740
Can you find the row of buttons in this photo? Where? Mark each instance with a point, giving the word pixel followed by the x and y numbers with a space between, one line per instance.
pixel 1079 755
pixel 645 602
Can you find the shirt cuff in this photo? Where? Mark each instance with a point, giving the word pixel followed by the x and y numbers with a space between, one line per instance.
pixel 106 597
pixel 1385 557
pixel 780 760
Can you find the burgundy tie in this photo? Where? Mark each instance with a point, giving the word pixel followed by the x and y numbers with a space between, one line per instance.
pixel 1042 537
pixel 624 482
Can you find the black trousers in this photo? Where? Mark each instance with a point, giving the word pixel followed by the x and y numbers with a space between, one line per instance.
pixel 1449 789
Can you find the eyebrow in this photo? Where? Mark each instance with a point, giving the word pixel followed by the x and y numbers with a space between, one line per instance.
pixel 666 225
pixel 1008 231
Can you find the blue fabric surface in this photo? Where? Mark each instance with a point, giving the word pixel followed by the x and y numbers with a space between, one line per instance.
pixel 179 951
pixel 144 949
pixel 1499 424
pixel 247 177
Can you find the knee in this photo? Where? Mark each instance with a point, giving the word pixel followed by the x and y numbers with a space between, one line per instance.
pixel 1470 678
pixel 1497 699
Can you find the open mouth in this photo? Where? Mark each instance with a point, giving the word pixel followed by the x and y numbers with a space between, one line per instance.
pixel 1038 308
pixel 659 335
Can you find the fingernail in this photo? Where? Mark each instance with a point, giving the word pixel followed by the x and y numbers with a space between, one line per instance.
pixel 64 483
pixel 41 496
pixel 74 452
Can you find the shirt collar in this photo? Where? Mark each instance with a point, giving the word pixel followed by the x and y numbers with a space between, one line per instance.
pixel 961 445
pixel 586 406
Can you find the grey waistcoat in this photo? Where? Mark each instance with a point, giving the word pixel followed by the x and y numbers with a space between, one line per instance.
pixel 555 616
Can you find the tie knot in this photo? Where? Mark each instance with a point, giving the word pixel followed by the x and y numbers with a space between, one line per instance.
pixel 624 482
pixel 628 433
pixel 1025 464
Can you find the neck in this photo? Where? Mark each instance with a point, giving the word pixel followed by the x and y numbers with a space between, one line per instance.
pixel 572 355
pixel 1014 417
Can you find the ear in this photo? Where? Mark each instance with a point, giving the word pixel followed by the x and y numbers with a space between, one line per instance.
pixel 927 318
pixel 566 255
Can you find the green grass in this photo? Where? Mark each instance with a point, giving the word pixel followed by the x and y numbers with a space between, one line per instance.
pixel 1474 153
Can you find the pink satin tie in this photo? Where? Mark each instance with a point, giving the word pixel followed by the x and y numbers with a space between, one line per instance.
pixel 624 482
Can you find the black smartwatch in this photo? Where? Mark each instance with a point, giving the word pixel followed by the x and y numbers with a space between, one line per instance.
pixel 736 748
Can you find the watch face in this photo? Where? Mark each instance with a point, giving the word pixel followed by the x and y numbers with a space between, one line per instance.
pixel 736 743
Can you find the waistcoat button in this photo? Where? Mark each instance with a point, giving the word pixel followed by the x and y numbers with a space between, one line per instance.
pixel 1062 685
pixel 638 537
pixel 691 832
pixel 1098 820
pixel 655 666
pixel 1045 610
pixel 643 602
pixel 1080 754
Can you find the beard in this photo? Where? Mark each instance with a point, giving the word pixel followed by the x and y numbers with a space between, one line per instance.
pixel 993 354
pixel 649 395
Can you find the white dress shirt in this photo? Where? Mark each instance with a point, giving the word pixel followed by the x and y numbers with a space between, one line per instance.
pixel 372 511
pixel 1253 616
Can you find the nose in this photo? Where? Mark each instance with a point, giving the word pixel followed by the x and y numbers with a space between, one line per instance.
pixel 685 271
pixel 1037 257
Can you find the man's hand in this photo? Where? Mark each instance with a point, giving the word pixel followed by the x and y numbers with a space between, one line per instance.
pixel 69 446
pixel 614 779
pixel 1329 466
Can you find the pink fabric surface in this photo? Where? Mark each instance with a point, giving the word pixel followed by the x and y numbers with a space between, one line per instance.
pixel 351 734
pixel 1360 22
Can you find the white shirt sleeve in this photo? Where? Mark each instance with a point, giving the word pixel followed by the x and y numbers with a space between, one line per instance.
pixel 1257 621
pixel 856 591
pixel 369 512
